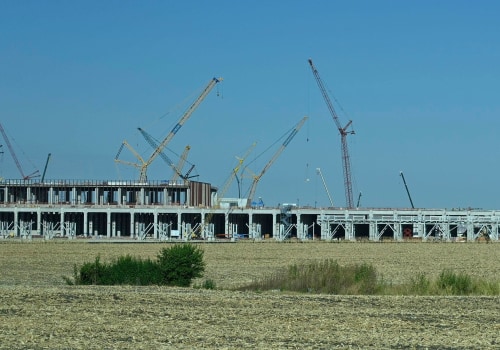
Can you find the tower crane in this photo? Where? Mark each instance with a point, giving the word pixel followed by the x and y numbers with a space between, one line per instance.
pixel 144 164
pixel 318 170
pixel 346 162
pixel 13 154
pixel 257 178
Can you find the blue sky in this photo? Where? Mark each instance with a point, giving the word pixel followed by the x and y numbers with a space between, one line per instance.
pixel 419 79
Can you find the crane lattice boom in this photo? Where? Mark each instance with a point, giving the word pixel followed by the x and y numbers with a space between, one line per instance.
pixel 180 165
pixel 175 129
pixel 257 178
pixel 346 162
pixel 13 154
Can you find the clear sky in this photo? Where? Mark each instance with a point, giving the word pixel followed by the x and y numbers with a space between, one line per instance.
pixel 419 79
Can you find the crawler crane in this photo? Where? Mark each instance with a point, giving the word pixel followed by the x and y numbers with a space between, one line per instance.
pixel 144 164
pixel 257 178
pixel 346 162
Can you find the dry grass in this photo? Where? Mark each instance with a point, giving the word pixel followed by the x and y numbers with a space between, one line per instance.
pixel 38 311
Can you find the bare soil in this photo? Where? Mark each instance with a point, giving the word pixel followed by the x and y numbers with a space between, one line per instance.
pixel 39 311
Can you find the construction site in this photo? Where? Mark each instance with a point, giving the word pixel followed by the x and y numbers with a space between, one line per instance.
pixel 184 209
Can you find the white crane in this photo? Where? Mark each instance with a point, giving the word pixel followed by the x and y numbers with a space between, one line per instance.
pixel 257 178
pixel 318 171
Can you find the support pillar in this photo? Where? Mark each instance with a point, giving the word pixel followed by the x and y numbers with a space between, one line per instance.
pixel 108 224
pixel 132 225
pixel 85 224
pixel 155 226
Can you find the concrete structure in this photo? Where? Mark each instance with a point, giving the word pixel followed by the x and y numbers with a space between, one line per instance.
pixel 165 211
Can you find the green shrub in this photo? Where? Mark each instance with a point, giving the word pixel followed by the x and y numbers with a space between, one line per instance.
pixel 175 266
pixel 180 264
pixel 322 277
pixel 455 284
pixel 207 284
pixel 362 279
pixel 419 285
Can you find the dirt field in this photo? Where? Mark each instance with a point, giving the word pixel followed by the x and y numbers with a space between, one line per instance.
pixel 38 311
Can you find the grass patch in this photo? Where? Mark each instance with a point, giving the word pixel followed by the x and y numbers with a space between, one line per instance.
pixel 175 266
pixel 329 277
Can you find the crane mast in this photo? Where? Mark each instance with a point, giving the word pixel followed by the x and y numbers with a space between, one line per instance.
pixel 346 162
pixel 175 129
pixel 257 178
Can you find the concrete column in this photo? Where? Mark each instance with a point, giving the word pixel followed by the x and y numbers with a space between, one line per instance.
pixel 373 234
pixel 275 233
pixel 227 231
pixel 85 223
pixel 38 220
pixel 16 222
pixel 132 225
pixel 251 233
pixel 179 223
pixel 298 227
pixel 470 231
pixel 108 224
pixel 155 226
pixel 61 223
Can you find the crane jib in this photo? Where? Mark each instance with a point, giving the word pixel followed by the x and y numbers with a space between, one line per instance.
pixel 176 128
pixel 290 137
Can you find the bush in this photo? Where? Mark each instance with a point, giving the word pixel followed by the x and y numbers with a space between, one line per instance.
pixel 175 266
pixel 180 264
pixel 362 279
pixel 323 277
pixel 455 284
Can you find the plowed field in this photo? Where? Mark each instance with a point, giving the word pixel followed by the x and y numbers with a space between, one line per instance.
pixel 39 311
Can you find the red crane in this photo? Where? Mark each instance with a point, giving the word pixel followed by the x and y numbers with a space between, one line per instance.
pixel 25 177
pixel 346 161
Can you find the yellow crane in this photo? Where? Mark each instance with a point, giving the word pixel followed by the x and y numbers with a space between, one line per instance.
pixel 220 194
pixel 144 164
pixel 257 178
pixel 233 175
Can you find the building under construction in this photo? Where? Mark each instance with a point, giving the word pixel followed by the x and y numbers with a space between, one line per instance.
pixel 184 211
pixel 181 209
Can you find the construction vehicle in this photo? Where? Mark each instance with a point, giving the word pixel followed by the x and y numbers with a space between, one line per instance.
pixel 34 174
pixel 318 170
pixel 144 164
pixel 346 162
pixel 407 190
pixel 256 178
